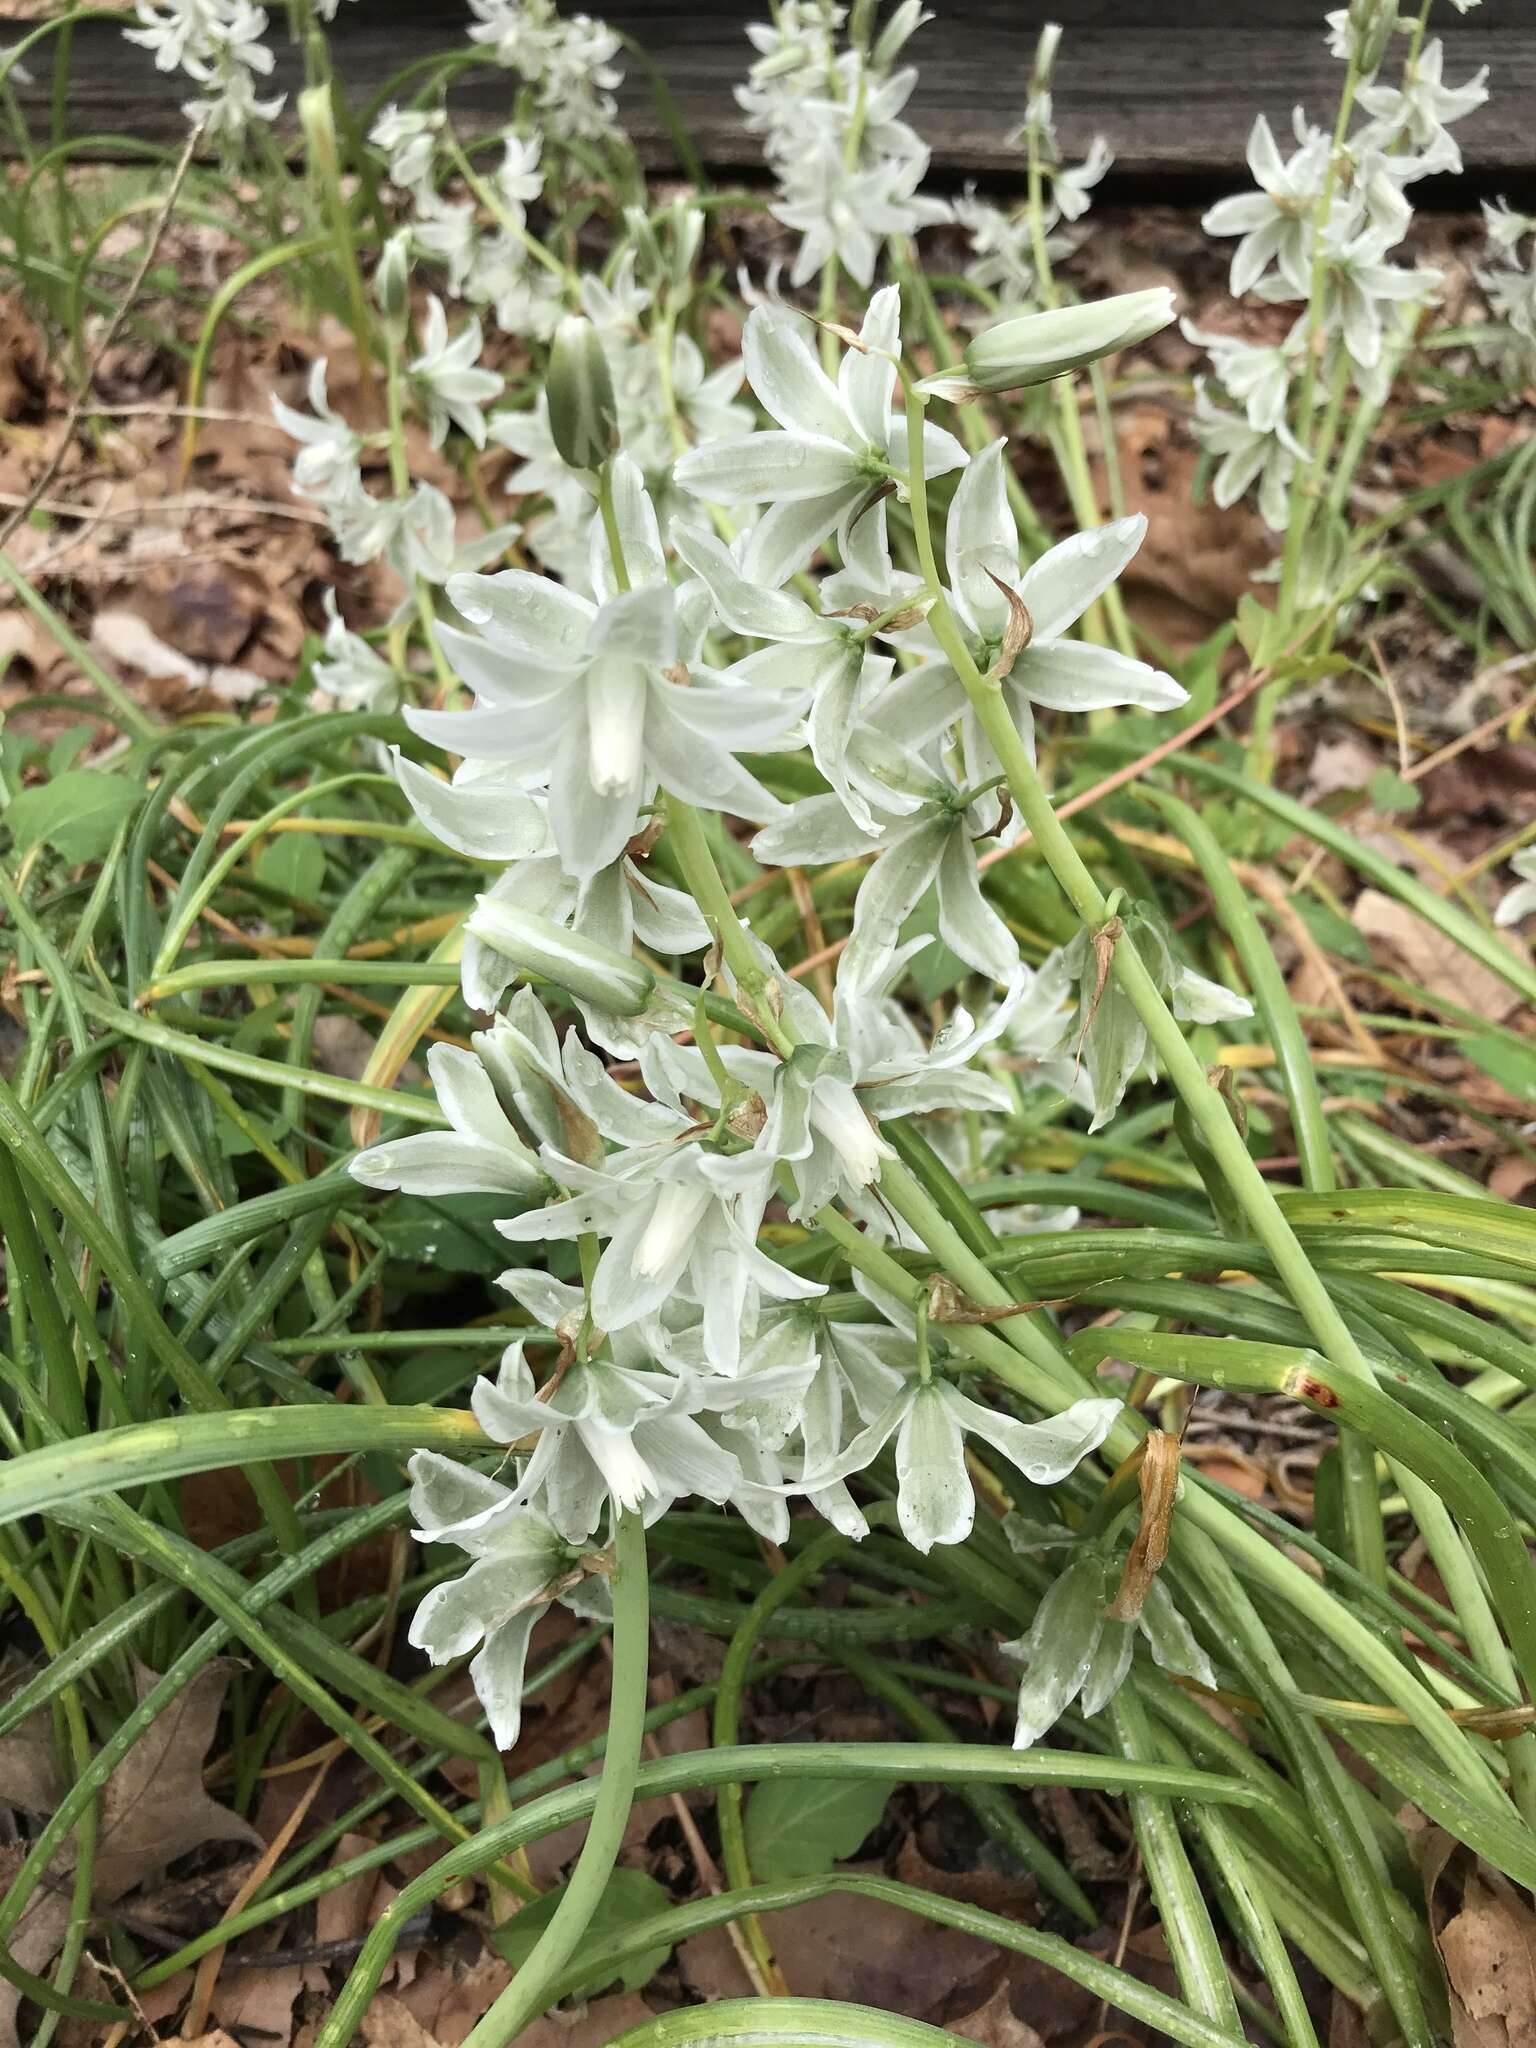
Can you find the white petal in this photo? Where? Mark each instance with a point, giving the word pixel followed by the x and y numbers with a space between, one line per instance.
pixel 780 466
pixel 1059 588
pixel 786 377
pixel 936 1503
pixel 487 818
pixel 524 613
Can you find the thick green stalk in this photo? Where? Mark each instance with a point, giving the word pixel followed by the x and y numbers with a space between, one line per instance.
pixel 532 1989
pixel 1175 1057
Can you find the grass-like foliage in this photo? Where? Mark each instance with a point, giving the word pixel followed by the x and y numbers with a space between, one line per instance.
pixel 808 1099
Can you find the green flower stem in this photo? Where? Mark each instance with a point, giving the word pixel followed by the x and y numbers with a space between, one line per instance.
pixel 690 843
pixel 1304 498
pixel 726 1731
pixel 1180 1064
pixel 1362 1502
pixel 533 1988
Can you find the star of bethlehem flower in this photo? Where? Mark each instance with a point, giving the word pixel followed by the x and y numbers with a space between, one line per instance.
pixel 1275 222
pixel 448 379
pixel 520 1563
pixel 827 463
pixel 607 699
pixel 1518 903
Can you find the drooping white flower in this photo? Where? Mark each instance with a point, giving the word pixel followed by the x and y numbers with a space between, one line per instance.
pixel 350 673
pixel 329 449
pixel 520 1563
pixel 408 137
pixel 606 1435
pixel 607 699
pixel 1258 377
pixel 1423 108
pixel 483 1152
pixel 1246 455
pixel 827 464
pixel 930 1421
pixel 1275 222
pixel 447 377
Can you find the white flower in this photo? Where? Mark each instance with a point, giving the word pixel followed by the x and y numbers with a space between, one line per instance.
pixel 1423 108
pixel 1258 377
pixel 1520 901
pixel 447 376
pixel 828 461
pixel 1275 222
pixel 351 673
pixel 408 137
pixel 482 1153
pixel 1071 185
pixel 607 1434
pixel 521 1562
pixel 519 181
pixel 848 215
pixel 447 232
pixel 1057 673
pixel 606 699
pixel 930 1420
pixel 671 1229
pixel 1362 289
pixel 329 449
pixel 1247 454
pixel 823 1104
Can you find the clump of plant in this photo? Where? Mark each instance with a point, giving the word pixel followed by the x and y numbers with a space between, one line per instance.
pixel 708 823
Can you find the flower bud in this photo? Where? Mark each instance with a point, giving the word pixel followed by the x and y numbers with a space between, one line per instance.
pixel 903 24
pixel 1038 346
pixel 583 417
pixel 591 972
pixel 391 281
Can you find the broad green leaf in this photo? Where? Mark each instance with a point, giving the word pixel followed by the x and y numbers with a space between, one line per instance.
pixel 67 748
pixel 798 1827
pixel 629 1897
pixel 77 813
pixel 293 863
pixel 1389 792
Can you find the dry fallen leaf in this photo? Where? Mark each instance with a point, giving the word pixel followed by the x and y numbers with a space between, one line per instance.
pixel 152 1811
pixel 995 2024
pixel 1429 957
pixel 1489 1953
pixel 389 2024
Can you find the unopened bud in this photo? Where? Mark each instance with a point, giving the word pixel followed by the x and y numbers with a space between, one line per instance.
pixel 591 972
pixel 583 417
pixel 1038 346
pixel 392 279
pixel 904 23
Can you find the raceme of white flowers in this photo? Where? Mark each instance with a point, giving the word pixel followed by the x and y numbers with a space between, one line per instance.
pixel 716 616
pixel 1324 227
pixel 693 627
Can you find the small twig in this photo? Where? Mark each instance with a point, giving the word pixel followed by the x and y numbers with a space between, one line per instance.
pixel 125 304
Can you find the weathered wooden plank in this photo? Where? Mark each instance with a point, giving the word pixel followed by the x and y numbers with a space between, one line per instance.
pixel 1174 84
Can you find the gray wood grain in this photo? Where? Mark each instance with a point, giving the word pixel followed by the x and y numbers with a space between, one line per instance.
pixel 1173 84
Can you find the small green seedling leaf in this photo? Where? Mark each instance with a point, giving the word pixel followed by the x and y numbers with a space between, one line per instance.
pixel 1389 792
pixel 77 813
pixel 799 1827
pixel 629 1897
pixel 293 863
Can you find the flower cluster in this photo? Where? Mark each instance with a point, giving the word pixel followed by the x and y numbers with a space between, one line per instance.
pixel 1321 225
pixel 218 45
pixel 849 168
pixel 696 639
